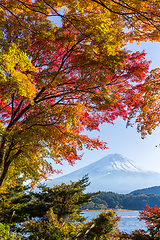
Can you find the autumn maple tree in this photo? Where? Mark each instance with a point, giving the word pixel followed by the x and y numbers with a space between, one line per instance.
pixel 59 78
pixel 151 216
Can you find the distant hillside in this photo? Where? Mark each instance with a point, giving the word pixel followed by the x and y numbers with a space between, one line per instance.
pixel 123 201
pixel 151 190
pixel 113 173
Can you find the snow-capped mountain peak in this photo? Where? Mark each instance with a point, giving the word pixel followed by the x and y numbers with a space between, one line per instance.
pixel 113 162
pixel 120 163
pixel 113 173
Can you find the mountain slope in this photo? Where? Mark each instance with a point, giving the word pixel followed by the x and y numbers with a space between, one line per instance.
pixel 113 173
pixel 152 190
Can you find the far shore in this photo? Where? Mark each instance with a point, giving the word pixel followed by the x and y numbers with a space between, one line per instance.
pixel 118 209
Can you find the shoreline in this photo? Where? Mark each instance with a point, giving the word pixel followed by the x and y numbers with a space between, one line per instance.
pixel 118 209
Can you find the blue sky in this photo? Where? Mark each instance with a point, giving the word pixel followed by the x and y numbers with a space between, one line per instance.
pixel 126 141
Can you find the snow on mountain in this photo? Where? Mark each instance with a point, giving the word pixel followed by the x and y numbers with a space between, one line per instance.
pixel 113 162
pixel 113 173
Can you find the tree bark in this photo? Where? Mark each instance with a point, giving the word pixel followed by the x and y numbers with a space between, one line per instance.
pixel 4 173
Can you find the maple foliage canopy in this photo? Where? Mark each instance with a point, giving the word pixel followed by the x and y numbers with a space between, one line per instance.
pixel 151 216
pixel 59 79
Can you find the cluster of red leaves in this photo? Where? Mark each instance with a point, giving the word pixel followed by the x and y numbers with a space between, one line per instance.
pixel 152 218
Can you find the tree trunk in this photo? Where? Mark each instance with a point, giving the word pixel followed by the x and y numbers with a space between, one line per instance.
pixel 4 173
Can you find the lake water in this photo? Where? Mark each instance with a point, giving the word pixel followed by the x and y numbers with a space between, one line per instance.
pixel 128 222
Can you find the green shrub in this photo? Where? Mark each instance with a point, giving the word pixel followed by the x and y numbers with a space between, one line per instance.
pixel 6 234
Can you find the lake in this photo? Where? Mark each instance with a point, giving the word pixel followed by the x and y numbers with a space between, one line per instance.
pixel 128 222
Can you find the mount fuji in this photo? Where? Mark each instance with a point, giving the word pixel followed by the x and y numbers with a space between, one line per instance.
pixel 113 173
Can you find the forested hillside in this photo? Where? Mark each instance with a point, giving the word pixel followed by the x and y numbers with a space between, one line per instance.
pixel 151 190
pixel 123 201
